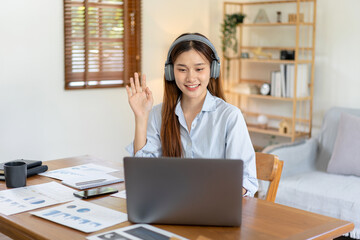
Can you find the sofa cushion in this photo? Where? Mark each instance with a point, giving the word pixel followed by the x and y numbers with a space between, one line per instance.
pixel 345 158
pixel 328 194
pixel 327 135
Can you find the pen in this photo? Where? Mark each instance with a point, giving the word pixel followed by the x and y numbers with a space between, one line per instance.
pixel 89 182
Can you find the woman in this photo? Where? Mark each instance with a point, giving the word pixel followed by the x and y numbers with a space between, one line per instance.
pixel 194 121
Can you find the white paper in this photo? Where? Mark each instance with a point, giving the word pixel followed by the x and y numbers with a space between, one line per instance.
pixel 84 216
pixel 37 196
pixel 134 232
pixel 121 194
pixel 78 171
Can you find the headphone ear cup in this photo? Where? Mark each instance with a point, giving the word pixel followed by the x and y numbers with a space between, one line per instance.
pixel 215 69
pixel 169 72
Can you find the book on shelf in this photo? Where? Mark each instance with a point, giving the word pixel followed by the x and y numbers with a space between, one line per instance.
pixel 275 84
pixel 290 71
pixel 302 81
pixel 272 84
pixel 283 81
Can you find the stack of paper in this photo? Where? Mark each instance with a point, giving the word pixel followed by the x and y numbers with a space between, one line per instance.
pixel 84 176
pixel 91 181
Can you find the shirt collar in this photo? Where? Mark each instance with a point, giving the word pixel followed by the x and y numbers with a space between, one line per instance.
pixel 209 103
pixel 208 106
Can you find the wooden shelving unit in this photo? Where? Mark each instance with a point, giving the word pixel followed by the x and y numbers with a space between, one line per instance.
pixel 274 24
pixel 268 97
pixel 274 131
pixel 299 109
pixel 275 61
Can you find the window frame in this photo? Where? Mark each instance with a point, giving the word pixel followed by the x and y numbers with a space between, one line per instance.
pixel 131 39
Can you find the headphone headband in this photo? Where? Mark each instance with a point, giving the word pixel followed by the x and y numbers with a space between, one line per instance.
pixel 192 37
pixel 215 64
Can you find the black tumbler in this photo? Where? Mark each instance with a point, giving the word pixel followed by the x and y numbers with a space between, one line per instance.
pixel 15 174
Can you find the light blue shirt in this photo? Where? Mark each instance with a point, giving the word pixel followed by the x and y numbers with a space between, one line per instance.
pixel 218 131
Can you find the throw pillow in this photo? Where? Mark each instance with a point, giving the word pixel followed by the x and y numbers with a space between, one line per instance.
pixel 345 158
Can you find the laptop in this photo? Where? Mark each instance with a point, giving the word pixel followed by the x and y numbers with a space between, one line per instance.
pixel 184 191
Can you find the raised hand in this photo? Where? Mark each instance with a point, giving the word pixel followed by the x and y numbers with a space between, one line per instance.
pixel 140 97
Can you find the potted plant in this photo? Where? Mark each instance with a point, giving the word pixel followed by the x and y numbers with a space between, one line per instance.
pixel 228 30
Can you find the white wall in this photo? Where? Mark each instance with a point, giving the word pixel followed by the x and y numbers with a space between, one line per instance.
pixel 38 118
pixel 337 65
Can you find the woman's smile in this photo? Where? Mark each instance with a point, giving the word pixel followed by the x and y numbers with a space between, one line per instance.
pixel 192 87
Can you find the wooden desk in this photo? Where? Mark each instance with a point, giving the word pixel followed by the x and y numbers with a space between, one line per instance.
pixel 261 219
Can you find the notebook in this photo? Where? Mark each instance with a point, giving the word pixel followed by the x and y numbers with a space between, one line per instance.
pixel 33 167
pixel 29 163
pixel 184 191
pixel 30 171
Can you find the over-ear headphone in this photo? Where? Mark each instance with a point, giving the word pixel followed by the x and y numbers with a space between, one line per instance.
pixel 215 64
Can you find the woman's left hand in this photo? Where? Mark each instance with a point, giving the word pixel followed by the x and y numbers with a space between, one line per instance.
pixel 140 97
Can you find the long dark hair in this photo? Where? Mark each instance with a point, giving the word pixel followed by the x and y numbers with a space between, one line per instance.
pixel 170 128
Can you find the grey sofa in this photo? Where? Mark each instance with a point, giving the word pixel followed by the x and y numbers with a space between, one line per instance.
pixel 305 183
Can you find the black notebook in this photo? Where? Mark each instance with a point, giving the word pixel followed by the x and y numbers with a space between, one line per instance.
pixel 29 163
pixel 30 171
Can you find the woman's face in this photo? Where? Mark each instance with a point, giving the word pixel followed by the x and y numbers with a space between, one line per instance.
pixel 192 74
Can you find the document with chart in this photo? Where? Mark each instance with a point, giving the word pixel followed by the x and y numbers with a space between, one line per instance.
pixel 84 216
pixel 85 170
pixel 84 176
pixel 23 199
pixel 136 232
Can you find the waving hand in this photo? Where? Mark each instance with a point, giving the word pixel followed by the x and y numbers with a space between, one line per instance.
pixel 140 97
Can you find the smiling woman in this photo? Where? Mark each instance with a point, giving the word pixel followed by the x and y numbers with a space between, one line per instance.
pixel 192 74
pixel 194 121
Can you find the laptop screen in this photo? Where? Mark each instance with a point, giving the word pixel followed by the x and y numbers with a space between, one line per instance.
pixel 184 191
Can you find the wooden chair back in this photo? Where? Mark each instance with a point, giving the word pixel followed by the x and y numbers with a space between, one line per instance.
pixel 269 168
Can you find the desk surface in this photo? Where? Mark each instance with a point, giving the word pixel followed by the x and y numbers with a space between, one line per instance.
pixel 260 220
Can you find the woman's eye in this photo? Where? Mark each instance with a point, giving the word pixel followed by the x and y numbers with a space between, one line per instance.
pixel 199 69
pixel 181 70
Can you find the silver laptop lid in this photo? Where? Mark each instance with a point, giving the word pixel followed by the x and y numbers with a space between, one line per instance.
pixel 184 191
